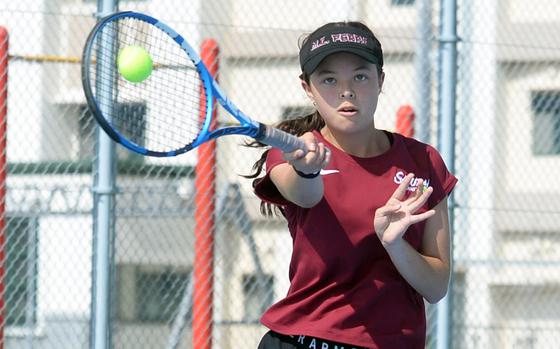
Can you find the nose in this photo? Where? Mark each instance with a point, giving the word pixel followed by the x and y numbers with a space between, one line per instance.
pixel 347 94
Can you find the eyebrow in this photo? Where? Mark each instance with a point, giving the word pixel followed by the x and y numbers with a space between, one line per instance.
pixel 326 71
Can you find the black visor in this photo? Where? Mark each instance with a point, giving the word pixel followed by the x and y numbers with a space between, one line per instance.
pixel 331 39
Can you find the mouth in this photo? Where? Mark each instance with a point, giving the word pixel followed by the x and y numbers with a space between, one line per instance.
pixel 348 110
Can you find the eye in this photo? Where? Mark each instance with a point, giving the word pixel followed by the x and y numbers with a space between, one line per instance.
pixel 361 77
pixel 329 81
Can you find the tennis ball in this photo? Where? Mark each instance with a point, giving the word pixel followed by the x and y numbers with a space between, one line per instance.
pixel 134 63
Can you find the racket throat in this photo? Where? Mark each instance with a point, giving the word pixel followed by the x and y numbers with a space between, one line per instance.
pixel 261 132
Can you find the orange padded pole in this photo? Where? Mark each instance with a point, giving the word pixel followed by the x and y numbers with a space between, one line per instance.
pixel 205 185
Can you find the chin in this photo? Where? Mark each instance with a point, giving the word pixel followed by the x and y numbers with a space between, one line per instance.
pixel 350 129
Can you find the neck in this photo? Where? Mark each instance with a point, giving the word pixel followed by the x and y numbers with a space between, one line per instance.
pixel 369 143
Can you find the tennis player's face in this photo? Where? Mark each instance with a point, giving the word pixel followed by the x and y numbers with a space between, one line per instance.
pixel 345 89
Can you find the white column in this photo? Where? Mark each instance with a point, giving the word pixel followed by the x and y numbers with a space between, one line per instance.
pixel 476 190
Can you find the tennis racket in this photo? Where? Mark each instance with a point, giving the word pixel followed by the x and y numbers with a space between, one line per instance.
pixel 171 111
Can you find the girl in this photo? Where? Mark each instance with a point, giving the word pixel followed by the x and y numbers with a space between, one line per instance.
pixel 366 209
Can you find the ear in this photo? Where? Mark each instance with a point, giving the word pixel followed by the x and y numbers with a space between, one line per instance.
pixel 381 80
pixel 307 88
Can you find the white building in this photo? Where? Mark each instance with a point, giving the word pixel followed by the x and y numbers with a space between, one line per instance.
pixel 507 246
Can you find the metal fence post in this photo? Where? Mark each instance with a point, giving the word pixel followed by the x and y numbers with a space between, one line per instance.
pixel 446 140
pixel 104 187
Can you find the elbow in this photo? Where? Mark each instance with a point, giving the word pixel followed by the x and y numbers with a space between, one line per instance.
pixel 308 201
pixel 307 198
pixel 440 285
pixel 434 299
pixel 437 295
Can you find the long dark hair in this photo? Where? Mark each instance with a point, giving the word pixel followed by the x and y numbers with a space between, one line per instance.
pixel 306 123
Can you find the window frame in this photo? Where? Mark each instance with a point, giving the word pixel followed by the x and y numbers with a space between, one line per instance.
pixel 403 2
pixel 131 295
pixel 545 115
pixel 31 246
pixel 255 290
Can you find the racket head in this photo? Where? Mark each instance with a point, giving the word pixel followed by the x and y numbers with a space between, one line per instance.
pixel 164 115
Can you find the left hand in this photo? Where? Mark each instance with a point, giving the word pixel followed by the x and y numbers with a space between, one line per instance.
pixel 393 219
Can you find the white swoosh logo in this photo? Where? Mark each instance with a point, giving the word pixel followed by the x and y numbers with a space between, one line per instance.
pixel 327 172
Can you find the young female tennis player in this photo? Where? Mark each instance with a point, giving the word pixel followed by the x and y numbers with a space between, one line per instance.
pixel 366 208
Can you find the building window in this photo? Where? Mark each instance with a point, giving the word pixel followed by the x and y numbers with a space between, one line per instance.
pixel 258 295
pixel 85 134
pixel 84 129
pixel 149 294
pixel 461 330
pixel 21 272
pixel 524 342
pixel 546 122
pixel 402 2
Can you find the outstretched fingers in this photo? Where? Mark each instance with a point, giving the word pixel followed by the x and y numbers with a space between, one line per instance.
pixel 420 197
pixel 399 193
pixel 421 217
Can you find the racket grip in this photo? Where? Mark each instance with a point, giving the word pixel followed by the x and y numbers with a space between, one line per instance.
pixel 281 140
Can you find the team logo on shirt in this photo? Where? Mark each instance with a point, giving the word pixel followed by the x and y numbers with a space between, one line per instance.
pixel 399 177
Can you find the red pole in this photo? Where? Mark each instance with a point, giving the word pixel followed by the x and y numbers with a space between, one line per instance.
pixel 204 219
pixel 3 169
pixel 405 121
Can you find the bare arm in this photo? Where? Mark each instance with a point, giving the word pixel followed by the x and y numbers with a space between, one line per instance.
pixel 427 272
pixel 301 191
pixel 304 192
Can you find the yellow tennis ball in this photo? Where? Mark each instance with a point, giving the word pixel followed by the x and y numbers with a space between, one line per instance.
pixel 134 63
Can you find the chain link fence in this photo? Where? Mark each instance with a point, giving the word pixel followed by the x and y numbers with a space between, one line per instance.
pixel 506 285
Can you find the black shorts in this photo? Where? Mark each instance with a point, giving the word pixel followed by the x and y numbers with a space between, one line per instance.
pixel 274 340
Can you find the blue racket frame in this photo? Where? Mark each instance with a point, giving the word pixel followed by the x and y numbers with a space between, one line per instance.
pixel 247 127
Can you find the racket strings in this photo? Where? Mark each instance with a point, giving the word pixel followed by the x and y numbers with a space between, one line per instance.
pixel 161 113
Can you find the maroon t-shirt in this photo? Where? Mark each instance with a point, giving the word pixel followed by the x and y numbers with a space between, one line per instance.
pixel 343 285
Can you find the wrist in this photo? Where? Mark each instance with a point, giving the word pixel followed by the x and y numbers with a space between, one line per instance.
pixel 306 175
pixel 393 244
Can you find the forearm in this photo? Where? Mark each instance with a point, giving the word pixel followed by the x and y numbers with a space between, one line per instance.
pixel 429 276
pixel 304 192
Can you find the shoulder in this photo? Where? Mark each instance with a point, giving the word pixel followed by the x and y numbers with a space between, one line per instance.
pixel 419 150
pixel 413 144
pixel 426 157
